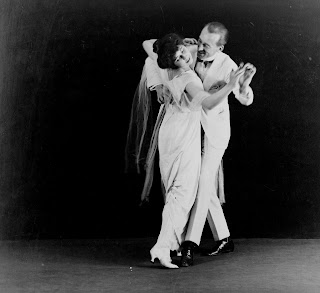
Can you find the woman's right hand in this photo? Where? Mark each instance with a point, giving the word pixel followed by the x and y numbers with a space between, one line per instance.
pixel 236 74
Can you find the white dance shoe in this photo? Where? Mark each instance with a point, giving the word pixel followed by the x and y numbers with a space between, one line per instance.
pixel 164 261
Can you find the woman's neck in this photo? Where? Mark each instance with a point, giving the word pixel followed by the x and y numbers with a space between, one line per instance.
pixel 180 70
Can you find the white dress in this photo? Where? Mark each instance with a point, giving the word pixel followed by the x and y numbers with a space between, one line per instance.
pixel 180 158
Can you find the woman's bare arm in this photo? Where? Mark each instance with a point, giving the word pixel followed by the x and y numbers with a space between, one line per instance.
pixel 216 98
pixel 148 47
pixel 211 100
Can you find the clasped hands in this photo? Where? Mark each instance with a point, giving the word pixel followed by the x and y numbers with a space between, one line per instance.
pixel 242 75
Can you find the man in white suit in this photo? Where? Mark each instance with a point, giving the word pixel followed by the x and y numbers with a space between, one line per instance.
pixel 213 67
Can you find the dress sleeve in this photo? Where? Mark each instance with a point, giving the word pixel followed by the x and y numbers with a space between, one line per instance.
pixel 153 73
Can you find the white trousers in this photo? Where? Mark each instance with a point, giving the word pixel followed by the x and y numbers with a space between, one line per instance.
pixel 207 204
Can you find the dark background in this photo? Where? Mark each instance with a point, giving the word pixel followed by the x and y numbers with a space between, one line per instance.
pixel 68 72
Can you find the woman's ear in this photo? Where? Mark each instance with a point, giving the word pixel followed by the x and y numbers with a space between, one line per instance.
pixel 221 48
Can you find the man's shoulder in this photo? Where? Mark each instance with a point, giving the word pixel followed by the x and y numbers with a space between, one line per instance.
pixel 226 60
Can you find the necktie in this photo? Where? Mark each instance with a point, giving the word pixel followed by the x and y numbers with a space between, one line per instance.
pixel 205 63
pixel 202 68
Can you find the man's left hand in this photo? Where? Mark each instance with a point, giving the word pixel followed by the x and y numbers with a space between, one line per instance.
pixel 190 41
pixel 246 78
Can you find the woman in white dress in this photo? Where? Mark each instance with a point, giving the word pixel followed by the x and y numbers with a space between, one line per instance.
pixel 179 141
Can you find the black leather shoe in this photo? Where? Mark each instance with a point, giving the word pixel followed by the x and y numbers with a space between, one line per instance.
pixel 188 248
pixel 222 246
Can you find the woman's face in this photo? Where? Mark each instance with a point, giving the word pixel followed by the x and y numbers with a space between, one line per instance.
pixel 183 57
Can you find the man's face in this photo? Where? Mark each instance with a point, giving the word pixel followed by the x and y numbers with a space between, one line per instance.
pixel 207 44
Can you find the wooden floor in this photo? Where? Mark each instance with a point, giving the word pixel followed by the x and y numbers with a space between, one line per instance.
pixel 122 265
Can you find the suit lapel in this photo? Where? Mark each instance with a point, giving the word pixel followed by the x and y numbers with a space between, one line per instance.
pixel 212 73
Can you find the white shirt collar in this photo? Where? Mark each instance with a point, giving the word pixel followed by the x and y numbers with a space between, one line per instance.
pixel 212 57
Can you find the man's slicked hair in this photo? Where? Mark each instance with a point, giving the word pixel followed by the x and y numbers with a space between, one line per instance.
pixel 218 28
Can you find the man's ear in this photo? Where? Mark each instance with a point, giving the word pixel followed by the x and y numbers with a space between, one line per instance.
pixel 221 48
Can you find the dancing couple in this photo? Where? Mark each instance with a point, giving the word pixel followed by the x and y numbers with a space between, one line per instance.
pixel 193 80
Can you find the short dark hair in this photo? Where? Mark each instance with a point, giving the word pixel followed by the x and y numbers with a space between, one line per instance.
pixel 218 28
pixel 166 48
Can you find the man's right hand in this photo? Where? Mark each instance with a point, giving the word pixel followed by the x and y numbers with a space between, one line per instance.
pixel 217 87
pixel 163 94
